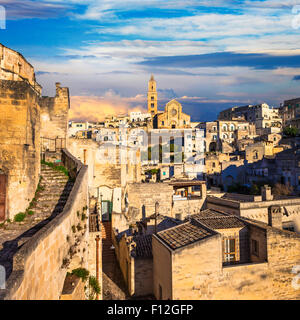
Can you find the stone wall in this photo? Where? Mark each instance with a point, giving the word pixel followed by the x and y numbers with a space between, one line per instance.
pixel 137 271
pixel 196 270
pixel 186 207
pixel 144 195
pixel 13 66
pixel 19 143
pixel 162 270
pixel 143 275
pixel 126 261
pixel 40 266
pixel 55 114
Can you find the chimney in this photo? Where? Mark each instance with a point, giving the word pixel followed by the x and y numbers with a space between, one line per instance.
pixel 275 217
pixel 266 193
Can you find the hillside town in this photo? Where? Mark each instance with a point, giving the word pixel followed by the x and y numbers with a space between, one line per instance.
pixel 145 205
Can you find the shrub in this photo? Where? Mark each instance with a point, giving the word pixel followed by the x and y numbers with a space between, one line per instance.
pixel 55 167
pixel 30 212
pixel 282 190
pixel 290 131
pixel 19 217
pixel 94 286
pixel 81 273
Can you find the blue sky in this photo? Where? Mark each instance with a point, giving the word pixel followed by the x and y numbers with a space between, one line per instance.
pixel 208 54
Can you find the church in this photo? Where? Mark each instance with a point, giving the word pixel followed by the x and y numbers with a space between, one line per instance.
pixel 172 117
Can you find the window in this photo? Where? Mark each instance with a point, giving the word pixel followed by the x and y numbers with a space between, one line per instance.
pixel 213 165
pixel 163 123
pixel 152 98
pixel 152 105
pixel 255 247
pixel 229 250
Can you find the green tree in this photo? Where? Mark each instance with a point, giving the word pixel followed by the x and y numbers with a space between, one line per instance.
pixel 290 131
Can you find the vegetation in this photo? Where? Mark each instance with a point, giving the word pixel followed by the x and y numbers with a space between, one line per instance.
pixel 282 190
pixel 81 273
pixel 56 167
pixel 290 131
pixel 19 217
pixel 94 286
pixel 255 188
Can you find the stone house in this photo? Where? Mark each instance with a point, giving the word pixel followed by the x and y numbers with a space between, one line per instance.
pixel 258 207
pixel 219 256
pixel 289 112
pixel 134 254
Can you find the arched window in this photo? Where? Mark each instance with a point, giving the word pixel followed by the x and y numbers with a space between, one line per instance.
pixel 255 154
pixel 232 127
pixel 225 128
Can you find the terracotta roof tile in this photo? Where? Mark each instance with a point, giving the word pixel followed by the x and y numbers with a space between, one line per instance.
pixel 184 234
pixel 143 246
pixel 216 220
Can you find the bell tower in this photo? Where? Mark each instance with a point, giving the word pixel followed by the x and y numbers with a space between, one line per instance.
pixel 152 96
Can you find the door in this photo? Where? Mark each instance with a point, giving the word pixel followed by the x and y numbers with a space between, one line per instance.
pixel 2 196
pixel 106 210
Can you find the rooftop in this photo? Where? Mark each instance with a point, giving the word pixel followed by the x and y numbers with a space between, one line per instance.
pixel 184 234
pixel 143 247
pixel 216 220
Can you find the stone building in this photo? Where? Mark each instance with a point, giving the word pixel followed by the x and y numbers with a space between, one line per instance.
pixel 134 254
pixel 173 117
pixel 261 115
pixel 218 256
pixel 25 117
pixel 258 207
pixel 223 135
pixel 289 112
pixel 177 199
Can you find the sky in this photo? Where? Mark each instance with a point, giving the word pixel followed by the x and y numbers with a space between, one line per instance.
pixel 208 54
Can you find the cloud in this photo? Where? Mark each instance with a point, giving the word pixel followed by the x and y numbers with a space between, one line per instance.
pixel 95 108
pixel 226 59
pixel 43 73
pixel 16 9
pixel 296 78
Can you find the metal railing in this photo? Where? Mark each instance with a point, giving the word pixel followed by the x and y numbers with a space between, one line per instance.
pixel 52 145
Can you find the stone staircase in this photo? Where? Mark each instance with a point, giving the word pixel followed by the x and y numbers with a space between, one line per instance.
pixel 56 188
pixel 50 201
pixel 114 287
pixel 108 254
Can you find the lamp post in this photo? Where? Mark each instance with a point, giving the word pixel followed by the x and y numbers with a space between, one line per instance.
pixel 97 261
